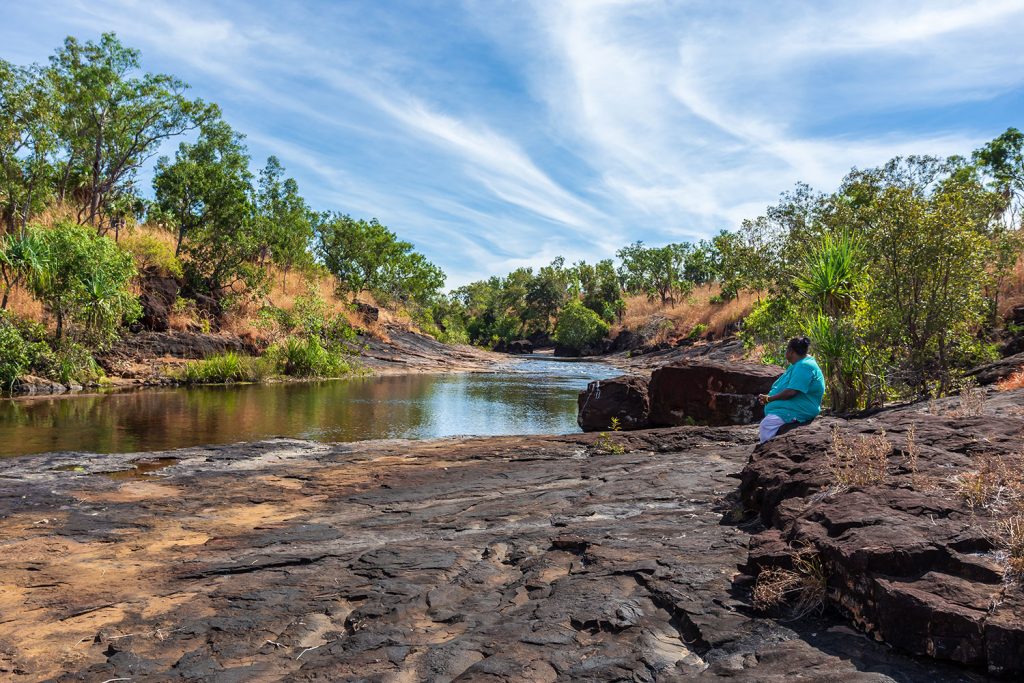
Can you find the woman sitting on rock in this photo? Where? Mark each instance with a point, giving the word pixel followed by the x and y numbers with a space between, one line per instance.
pixel 796 396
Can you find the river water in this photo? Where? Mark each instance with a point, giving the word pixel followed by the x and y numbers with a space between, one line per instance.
pixel 533 396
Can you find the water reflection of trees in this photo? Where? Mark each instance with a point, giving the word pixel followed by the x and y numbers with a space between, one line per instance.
pixel 368 408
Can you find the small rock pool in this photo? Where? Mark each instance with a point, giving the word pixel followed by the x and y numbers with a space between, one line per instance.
pixel 528 396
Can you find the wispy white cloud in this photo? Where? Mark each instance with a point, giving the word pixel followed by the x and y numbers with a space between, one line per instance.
pixel 496 133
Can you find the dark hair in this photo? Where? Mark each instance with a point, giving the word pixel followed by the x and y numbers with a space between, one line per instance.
pixel 800 345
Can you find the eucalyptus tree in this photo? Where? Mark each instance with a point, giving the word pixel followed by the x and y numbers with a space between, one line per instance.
pixel 367 256
pixel 205 196
pixel 27 143
pixel 112 118
pixel 287 220
pixel 655 271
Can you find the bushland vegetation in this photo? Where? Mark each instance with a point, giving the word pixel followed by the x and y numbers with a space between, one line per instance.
pixel 899 277
pixel 80 239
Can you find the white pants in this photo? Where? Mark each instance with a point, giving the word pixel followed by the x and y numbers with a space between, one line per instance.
pixel 770 426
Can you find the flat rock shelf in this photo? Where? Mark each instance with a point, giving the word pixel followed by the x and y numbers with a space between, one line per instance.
pixel 490 559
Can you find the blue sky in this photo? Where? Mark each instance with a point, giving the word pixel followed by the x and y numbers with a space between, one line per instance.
pixel 500 133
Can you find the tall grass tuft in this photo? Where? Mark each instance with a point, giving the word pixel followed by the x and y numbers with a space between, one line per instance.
pixel 224 369
pixel 308 357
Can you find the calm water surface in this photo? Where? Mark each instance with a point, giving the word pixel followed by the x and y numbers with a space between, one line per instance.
pixel 531 397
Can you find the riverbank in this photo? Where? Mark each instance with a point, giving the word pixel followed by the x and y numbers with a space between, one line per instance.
pixel 157 358
pixel 503 559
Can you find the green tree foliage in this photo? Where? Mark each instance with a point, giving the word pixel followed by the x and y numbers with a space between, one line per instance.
pixel 85 282
pixel 27 142
pixel 21 256
pixel 288 222
pixel 17 354
pixel 703 263
pixel 367 256
pixel 579 327
pixel 599 287
pixel 205 196
pixel 546 293
pixel 929 242
pixel 655 271
pixel 831 281
pixel 112 119
pixel 893 276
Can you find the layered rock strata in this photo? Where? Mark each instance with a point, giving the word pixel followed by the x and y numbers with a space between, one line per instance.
pixel 502 559
pixel 917 558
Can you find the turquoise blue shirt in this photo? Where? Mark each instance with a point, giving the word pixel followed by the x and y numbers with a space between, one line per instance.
pixel 805 377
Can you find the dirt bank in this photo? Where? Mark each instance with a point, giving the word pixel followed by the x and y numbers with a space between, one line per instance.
pixel 500 559
pixel 155 358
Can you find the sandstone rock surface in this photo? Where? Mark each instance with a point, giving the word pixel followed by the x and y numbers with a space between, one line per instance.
pixel 910 559
pixel 624 398
pixel 503 559
pixel 30 385
pixel 709 392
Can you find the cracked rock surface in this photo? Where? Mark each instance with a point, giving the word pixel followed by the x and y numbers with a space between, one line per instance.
pixel 910 559
pixel 497 559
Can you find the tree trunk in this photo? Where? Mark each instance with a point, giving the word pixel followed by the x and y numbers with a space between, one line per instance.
pixel 94 194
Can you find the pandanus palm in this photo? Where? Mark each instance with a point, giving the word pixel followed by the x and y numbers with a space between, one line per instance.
pixel 830 278
pixel 21 256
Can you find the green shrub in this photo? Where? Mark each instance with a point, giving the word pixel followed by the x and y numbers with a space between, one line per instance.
pixel 298 357
pixel 22 348
pixel 86 282
pixel 15 355
pixel 578 326
pixel 151 253
pixel 70 363
pixel 697 330
pixel 224 369
pixel 771 323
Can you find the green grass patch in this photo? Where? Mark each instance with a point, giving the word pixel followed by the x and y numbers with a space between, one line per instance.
pixel 224 369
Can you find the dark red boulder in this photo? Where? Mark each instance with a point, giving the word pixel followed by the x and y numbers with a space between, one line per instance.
pixel 520 346
pixel 622 397
pixel 709 392
pixel 159 293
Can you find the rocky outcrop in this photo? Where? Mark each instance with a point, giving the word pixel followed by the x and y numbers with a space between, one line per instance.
pixel 30 385
pixel 404 351
pixel 191 345
pixel 503 559
pixel 709 392
pixel 159 292
pixel 992 373
pixel 368 313
pixel 913 558
pixel 520 346
pixel 623 398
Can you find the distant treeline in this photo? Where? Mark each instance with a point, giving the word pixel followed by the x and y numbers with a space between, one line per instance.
pixel 896 276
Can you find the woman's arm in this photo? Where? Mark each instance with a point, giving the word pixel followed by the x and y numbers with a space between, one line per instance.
pixel 781 396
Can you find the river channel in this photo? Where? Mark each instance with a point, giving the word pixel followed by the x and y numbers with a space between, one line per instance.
pixel 532 396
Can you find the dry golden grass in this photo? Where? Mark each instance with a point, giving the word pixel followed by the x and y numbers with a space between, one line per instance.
pixel 1014 381
pixel 972 402
pixel 680 319
pixel 23 305
pixel 803 587
pixel 1011 291
pixel 997 486
pixel 1011 537
pixel 862 461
